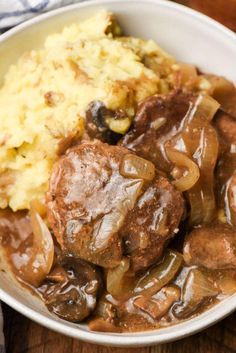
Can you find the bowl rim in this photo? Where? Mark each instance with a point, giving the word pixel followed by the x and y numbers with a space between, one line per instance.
pixel 136 339
pixel 89 3
pixel 189 327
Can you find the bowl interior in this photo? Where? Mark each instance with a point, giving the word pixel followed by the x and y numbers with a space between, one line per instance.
pixel 190 37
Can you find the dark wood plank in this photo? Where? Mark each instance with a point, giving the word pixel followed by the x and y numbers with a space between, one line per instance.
pixel 25 336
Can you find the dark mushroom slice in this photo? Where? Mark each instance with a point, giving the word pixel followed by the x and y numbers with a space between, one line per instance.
pixel 105 124
pixel 71 289
pixel 105 318
pixel 198 291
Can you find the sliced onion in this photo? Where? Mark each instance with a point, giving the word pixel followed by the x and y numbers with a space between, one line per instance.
pixel 207 108
pixel 224 92
pixel 226 192
pixel 136 167
pixel 160 275
pixel 159 304
pixel 118 284
pixel 42 249
pixel 180 159
pixel 198 142
pixel 202 196
pixel 198 289
pixel 226 282
pixel 201 143
pixel 39 207
pixel 200 113
pixel 188 73
pixel 122 285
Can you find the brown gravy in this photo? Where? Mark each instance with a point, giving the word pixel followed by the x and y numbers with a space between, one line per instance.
pixel 133 314
pixel 143 279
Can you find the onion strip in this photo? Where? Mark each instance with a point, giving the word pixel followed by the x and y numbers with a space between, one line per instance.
pixel 159 275
pixel 206 108
pixel 223 91
pixel 136 167
pixel 201 196
pixel 118 285
pixel 188 73
pixel 201 143
pixel 42 248
pixel 180 159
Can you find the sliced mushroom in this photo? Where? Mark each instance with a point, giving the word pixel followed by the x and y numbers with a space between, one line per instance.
pixel 159 304
pixel 71 292
pixel 198 290
pixel 105 124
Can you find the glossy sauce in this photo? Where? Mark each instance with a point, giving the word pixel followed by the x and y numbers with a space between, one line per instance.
pixel 132 314
pixel 115 210
pixel 16 239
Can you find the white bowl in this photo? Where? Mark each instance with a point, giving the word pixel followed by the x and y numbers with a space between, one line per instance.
pixel 190 37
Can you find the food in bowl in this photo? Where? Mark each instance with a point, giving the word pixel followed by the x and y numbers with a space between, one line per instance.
pixel 117 180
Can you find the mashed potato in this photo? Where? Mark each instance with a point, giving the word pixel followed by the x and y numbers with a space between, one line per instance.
pixel 44 97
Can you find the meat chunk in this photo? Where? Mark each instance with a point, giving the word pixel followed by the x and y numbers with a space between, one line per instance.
pixel 151 223
pixel 87 202
pixel 213 247
pixel 226 129
pixel 92 206
pixel 157 120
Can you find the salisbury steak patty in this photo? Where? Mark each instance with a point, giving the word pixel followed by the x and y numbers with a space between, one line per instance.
pixel 99 214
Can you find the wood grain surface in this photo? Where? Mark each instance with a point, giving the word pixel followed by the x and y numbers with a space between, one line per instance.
pixel 25 336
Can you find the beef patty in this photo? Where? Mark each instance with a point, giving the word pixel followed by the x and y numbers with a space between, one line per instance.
pixel 101 215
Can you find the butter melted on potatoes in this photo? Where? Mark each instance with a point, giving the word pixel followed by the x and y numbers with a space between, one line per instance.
pixel 44 97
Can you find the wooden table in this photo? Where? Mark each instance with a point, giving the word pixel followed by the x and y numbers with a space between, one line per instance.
pixel 25 336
